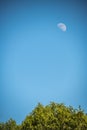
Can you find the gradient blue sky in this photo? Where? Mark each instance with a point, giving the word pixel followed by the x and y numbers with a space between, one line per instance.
pixel 39 62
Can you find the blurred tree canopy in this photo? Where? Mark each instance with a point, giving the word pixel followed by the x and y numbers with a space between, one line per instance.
pixel 50 117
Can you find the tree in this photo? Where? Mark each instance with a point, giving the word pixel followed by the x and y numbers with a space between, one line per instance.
pixel 55 117
pixel 9 125
pixel 50 117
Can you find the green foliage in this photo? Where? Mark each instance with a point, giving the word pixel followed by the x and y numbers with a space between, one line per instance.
pixel 9 125
pixel 50 117
pixel 55 117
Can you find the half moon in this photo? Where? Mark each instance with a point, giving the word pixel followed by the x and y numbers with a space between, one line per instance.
pixel 61 26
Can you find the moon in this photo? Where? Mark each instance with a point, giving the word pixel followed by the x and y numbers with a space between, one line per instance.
pixel 61 26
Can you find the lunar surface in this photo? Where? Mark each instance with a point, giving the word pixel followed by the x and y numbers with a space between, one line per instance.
pixel 61 26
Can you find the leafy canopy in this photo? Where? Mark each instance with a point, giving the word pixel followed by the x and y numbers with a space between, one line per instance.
pixel 50 117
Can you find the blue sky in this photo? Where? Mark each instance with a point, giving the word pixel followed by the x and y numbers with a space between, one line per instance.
pixel 39 62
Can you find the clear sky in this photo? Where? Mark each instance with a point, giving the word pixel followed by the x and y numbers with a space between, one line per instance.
pixel 38 61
